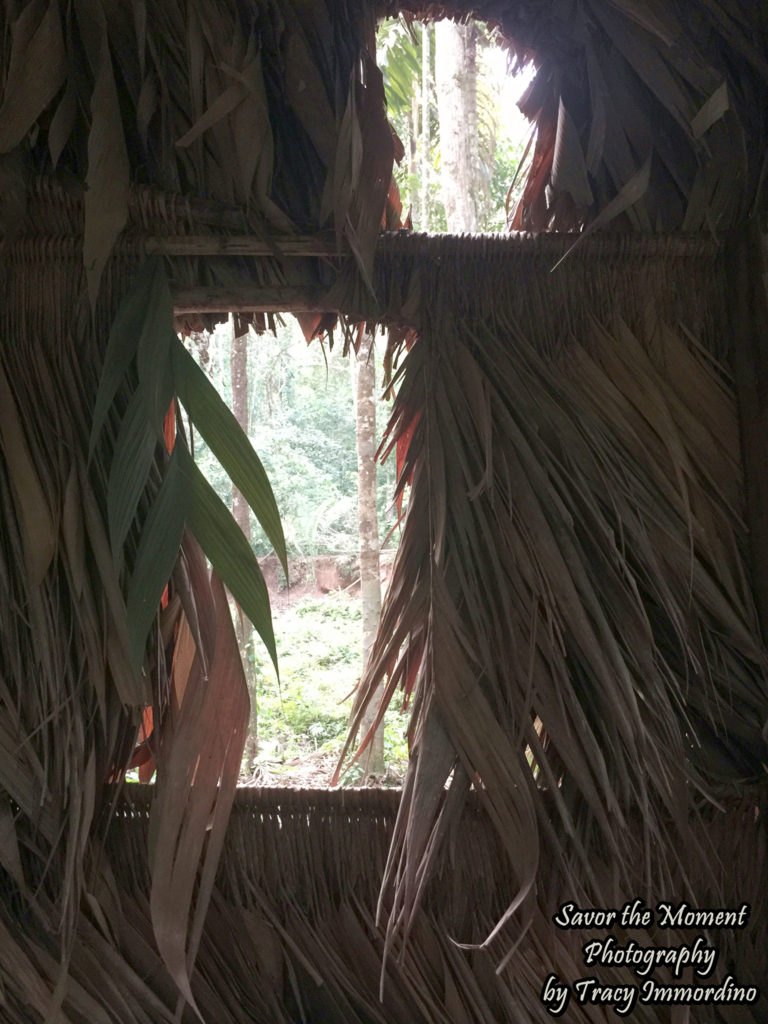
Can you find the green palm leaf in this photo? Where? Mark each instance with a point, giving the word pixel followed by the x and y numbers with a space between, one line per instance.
pixel 228 551
pixel 229 444
pixel 143 349
pixel 156 555
pixel 132 314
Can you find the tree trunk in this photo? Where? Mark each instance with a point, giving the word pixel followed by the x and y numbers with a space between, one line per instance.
pixel 238 364
pixel 370 584
pixel 456 84
pixel 413 160
pixel 426 142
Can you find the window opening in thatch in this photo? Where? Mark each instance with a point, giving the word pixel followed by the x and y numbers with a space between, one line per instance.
pixel 297 405
pixel 452 92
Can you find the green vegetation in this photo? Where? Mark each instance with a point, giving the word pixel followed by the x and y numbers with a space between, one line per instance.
pixel 501 132
pixel 318 643
pixel 302 424
pixel 301 412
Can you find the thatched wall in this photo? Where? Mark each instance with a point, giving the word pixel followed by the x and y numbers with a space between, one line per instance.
pixel 570 608
pixel 292 932
pixel 118 121
pixel 617 752
pixel 575 607
pixel 650 113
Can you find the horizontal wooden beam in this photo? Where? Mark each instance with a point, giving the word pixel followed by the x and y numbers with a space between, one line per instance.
pixel 238 245
pixel 390 245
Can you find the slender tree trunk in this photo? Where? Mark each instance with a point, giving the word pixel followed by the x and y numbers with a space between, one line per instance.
pixel 238 363
pixel 425 128
pixel 413 160
pixel 370 583
pixel 456 85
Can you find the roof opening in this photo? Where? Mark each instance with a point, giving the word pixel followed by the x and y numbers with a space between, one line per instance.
pixel 452 92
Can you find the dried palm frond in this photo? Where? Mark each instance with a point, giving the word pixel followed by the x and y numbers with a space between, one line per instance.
pixel 292 925
pixel 680 86
pixel 570 605
pixel 572 609
pixel 267 108
pixel 214 111
pixel 96 495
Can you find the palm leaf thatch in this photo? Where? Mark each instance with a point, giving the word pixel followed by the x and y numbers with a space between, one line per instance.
pixel 118 121
pixel 573 613
pixel 650 113
pixel 264 107
pixel 570 613
pixel 292 935
pixel 117 637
